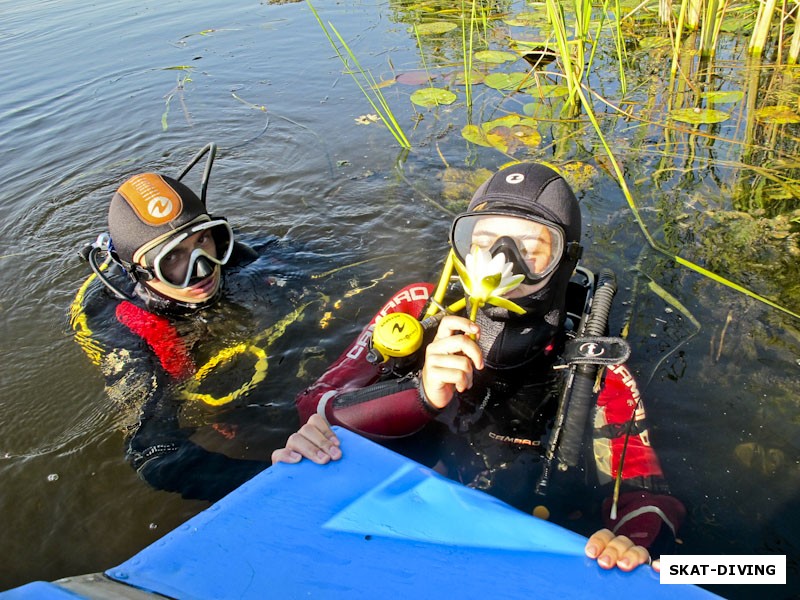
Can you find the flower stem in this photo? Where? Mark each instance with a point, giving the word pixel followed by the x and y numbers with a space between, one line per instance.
pixel 473 313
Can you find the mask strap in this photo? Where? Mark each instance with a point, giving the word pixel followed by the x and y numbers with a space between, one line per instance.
pixel 211 149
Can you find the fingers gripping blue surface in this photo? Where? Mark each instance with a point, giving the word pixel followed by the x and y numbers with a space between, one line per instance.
pixel 372 524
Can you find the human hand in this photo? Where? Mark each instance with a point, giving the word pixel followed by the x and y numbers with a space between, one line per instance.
pixel 450 359
pixel 315 441
pixel 617 551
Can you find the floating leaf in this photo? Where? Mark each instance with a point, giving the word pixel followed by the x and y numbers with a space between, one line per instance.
pixel 723 97
pixel 435 28
pixel 654 41
pixel 420 7
pixel 507 133
pixel 538 110
pixel 178 68
pixel 476 135
pixel 523 134
pixel 777 114
pixel 505 121
pixel 698 116
pixel 495 56
pixel 509 81
pixel 549 91
pixel 367 119
pixel 527 45
pixel 386 83
pixel 413 78
pixel 579 175
pixel 526 19
pixel 457 78
pixel 432 97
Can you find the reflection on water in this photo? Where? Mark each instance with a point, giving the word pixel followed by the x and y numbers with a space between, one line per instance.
pixel 83 107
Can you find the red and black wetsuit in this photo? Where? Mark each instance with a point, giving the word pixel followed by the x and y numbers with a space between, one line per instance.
pixel 493 436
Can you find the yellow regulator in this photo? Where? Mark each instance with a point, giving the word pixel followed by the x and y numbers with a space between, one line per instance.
pixel 397 335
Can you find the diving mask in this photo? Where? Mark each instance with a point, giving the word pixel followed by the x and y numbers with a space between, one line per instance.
pixel 533 246
pixel 179 266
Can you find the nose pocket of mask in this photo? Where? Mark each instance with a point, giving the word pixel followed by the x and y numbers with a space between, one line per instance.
pixel 203 268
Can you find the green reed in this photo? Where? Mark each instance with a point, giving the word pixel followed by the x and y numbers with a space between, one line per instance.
pixel 376 100
pixel 467 39
pixel 572 44
pixel 587 107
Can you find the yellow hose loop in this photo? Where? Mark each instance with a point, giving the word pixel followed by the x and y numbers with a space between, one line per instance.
pixel 222 357
pixel 227 354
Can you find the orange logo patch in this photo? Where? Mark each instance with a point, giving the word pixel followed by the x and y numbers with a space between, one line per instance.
pixel 152 198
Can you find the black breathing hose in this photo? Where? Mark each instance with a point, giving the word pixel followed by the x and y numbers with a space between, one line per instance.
pixel 582 395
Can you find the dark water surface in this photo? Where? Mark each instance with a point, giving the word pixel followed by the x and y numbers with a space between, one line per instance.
pixel 90 94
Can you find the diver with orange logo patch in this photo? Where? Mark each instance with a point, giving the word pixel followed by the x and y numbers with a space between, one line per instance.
pixel 169 315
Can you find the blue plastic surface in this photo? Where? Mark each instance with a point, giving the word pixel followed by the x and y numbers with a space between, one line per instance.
pixel 374 524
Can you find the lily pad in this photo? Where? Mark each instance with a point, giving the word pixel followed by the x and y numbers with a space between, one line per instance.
pixel 476 135
pixel 413 78
pixel 723 97
pixel 579 175
pixel 549 91
pixel 432 97
pixel 509 81
pixel 435 28
pixel 495 56
pixel 698 116
pixel 515 136
pixel 654 41
pixel 538 110
pixel 777 114
pixel 507 133
pixel 367 119
pixel 457 78
pixel 526 19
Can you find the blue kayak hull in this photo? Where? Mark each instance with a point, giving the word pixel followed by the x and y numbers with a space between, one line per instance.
pixel 374 524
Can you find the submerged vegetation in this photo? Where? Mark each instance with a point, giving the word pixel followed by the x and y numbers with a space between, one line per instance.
pixel 692 108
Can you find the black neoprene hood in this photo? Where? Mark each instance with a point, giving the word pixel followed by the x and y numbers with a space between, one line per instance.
pixel 148 207
pixel 531 189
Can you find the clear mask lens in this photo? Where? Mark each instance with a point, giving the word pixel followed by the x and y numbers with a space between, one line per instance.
pixel 193 254
pixel 534 247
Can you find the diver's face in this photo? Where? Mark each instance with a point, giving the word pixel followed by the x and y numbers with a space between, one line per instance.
pixel 533 240
pixel 175 265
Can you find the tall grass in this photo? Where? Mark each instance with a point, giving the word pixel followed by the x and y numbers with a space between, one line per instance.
pixel 369 87
pixel 467 37
pixel 575 70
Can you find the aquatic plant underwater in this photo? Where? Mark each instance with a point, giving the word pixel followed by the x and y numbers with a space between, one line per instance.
pixel 699 131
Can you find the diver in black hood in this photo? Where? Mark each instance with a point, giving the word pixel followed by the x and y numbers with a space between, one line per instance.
pixel 179 316
pixel 482 399
pixel 531 215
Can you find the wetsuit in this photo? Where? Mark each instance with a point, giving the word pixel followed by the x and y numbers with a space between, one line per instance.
pixel 150 357
pixel 493 436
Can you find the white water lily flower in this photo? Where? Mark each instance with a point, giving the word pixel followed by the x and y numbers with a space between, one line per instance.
pixel 486 279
